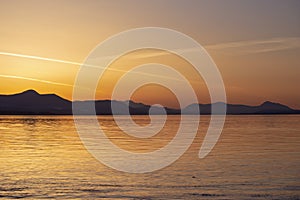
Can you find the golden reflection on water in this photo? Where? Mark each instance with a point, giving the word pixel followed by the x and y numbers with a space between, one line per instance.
pixel 134 144
pixel 257 157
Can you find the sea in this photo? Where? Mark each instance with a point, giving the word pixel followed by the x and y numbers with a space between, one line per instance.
pixel 256 157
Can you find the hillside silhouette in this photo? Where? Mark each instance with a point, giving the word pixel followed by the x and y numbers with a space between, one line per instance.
pixel 32 103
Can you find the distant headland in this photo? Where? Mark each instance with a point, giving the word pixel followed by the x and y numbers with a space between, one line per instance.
pixel 32 103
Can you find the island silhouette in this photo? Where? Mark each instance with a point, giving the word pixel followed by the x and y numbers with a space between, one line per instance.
pixel 31 102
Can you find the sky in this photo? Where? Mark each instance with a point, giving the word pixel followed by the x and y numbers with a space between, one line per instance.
pixel 255 44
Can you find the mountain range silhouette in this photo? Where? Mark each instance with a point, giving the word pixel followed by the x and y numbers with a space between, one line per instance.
pixel 32 103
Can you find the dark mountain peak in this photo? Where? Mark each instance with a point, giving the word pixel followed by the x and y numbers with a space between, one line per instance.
pixel 29 92
pixel 268 103
pixel 134 104
pixel 32 94
pixel 273 104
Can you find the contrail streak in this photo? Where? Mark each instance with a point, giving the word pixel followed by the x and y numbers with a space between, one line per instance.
pixel 79 64
pixel 36 80
pixel 40 58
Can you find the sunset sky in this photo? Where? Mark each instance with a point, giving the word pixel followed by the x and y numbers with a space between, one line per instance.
pixel 255 44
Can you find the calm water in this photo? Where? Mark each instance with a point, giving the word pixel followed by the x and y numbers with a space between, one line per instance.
pixel 257 157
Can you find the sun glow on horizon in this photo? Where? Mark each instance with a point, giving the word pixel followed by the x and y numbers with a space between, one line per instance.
pixel 43 50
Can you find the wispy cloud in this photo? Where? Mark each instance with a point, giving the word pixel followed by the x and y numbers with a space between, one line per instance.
pixel 257 46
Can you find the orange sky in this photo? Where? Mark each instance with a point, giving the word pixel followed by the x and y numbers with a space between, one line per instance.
pixel 255 44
